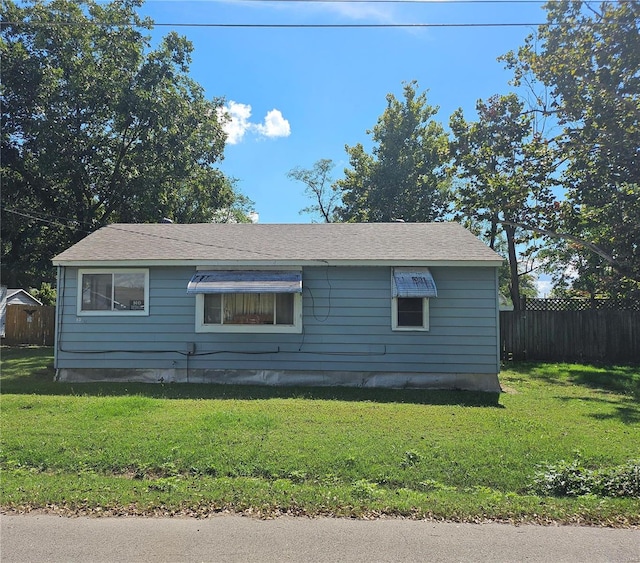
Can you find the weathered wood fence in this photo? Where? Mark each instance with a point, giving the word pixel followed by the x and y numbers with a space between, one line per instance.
pixel 571 330
pixel 29 324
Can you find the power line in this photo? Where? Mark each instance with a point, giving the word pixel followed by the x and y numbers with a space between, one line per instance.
pixel 279 25
pixel 129 229
pixel 424 2
pixel 346 25
pixel 228 25
pixel 326 25
pixel 48 221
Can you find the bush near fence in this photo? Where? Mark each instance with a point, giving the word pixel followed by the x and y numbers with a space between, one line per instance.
pixel 572 330
pixel 29 324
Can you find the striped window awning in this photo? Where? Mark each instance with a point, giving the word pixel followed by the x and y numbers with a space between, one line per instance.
pixel 413 282
pixel 246 281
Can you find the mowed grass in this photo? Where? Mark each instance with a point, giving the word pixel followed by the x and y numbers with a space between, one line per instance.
pixel 198 449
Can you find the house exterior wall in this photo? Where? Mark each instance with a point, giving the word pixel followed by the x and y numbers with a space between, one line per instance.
pixel 346 338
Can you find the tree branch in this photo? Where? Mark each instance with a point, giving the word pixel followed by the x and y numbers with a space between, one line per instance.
pixel 608 258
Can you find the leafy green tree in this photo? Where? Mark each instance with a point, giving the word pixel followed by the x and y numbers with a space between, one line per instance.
pixel 405 176
pixel 239 210
pixel 588 57
pixel 98 127
pixel 46 294
pixel 504 176
pixel 319 188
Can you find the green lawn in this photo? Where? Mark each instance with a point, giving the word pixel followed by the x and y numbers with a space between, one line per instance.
pixel 197 449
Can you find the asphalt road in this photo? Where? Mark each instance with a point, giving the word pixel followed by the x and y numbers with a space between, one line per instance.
pixel 46 538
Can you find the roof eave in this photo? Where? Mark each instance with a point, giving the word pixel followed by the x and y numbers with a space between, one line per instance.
pixel 263 263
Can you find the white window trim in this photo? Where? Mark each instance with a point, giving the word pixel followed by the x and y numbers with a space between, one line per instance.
pixel 296 327
pixel 113 313
pixel 425 316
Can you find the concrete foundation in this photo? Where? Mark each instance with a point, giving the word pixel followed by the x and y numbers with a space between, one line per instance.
pixel 469 382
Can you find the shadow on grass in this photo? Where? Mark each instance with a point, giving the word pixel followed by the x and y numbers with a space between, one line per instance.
pixel 31 372
pixel 622 380
pixel 619 379
pixel 627 410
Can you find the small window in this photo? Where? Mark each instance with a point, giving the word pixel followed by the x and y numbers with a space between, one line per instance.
pixel 410 313
pixel 118 292
pixel 411 289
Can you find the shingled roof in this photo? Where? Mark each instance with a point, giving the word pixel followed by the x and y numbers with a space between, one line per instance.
pixel 358 243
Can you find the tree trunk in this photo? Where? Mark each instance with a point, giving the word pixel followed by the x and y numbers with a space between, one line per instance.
pixel 514 285
pixel 494 233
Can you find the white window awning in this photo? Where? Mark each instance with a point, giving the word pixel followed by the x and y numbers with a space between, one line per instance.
pixel 413 282
pixel 246 281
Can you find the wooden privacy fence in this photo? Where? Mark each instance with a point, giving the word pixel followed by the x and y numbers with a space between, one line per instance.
pixel 568 333
pixel 29 324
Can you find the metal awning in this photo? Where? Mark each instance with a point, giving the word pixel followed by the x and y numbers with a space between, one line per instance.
pixel 413 282
pixel 246 281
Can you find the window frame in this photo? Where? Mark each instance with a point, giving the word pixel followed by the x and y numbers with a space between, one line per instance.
pixel 425 316
pixel 295 328
pixel 112 312
pixel 394 309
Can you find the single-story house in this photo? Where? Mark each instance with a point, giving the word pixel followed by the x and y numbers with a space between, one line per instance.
pixel 369 304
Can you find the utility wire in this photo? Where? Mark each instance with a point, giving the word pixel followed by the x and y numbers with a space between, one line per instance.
pixel 346 25
pixel 32 23
pixel 328 25
pixel 423 2
pixel 277 25
pixel 131 229
pixel 48 221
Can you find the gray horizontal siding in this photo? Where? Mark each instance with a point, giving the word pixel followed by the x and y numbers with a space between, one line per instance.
pixel 347 349
pixel 134 335
pixel 346 320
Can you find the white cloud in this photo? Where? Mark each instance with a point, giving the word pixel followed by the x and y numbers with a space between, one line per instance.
pixel 238 123
pixel 352 10
pixel 362 11
pixel 274 125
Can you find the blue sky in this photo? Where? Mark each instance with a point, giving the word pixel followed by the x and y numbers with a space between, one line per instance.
pixel 299 95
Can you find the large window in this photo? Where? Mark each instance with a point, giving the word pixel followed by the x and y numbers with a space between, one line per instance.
pixel 411 290
pixel 115 292
pixel 249 309
pixel 247 301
